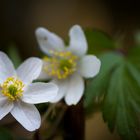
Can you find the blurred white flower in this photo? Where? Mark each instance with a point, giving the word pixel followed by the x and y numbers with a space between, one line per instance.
pixel 67 65
pixel 18 94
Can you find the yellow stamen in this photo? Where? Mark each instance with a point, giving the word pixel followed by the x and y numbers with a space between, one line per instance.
pixel 12 88
pixel 61 64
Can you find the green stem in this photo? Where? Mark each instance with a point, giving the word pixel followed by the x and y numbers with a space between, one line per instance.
pixel 36 135
pixel 47 113
pixel 55 125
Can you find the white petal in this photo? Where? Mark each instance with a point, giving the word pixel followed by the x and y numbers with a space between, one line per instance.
pixel 43 75
pixel 29 70
pixel 40 93
pixel 89 66
pixel 49 41
pixel 75 90
pixel 6 67
pixel 27 115
pixel 78 43
pixel 5 106
pixel 62 86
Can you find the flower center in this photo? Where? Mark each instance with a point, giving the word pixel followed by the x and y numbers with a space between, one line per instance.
pixel 12 88
pixel 61 64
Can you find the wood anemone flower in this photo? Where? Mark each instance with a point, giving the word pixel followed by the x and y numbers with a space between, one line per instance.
pixel 67 66
pixel 18 93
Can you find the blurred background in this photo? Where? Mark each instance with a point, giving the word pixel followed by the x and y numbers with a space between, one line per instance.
pixel 20 18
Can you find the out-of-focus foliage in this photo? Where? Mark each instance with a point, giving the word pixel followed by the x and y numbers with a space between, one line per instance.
pixel 98 41
pixel 116 88
pixel 5 134
pixel 14 55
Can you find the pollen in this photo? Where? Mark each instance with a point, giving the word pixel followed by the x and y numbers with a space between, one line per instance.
pixel 61 64
pixel 12 88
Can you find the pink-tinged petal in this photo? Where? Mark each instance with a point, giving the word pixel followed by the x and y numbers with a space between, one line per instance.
pixel 27 115
pixel 75 90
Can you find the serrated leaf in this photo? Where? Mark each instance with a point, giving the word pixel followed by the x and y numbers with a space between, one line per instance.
pixel 110 103
pixel 121 103
pixel 97 86
pixel 117 88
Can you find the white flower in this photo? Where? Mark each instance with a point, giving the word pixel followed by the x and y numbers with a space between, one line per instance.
pixel 67 66
pixel 18 94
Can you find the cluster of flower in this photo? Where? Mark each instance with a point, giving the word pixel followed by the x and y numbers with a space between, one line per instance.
pixel 65 66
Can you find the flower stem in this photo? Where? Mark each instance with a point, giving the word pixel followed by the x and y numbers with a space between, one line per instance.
pixel 47 113
pixel 36 135
pixel 55 125
pixel 74 122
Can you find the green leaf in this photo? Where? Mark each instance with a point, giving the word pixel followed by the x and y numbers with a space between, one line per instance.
pixel 98 41
pixel 134 72
pixel 5 134
pixel 110 102
pixel 117 89
pixel 97 87
pixel 134 56
pixel 122 102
